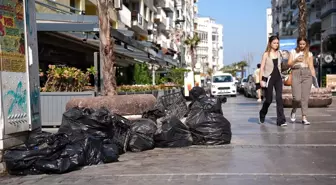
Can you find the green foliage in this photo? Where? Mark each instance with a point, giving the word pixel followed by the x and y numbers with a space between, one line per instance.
pixel 141 74
pixel 68 79
pixel 177 75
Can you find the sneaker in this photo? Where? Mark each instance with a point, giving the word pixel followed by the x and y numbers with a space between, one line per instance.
pixel 293 117
pixel 305 122
pixel 283 124
pixel 259 100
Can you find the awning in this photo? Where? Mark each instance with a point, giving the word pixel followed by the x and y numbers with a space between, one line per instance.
pixel 129 51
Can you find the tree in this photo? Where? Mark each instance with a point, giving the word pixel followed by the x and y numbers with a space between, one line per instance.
pixel 210 72
pixel 229 69
pixel 302 19
pixel 192 43
pixel 241 65
pixel 106 47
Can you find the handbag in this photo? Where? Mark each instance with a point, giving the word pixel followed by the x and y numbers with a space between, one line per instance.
pixel 288 80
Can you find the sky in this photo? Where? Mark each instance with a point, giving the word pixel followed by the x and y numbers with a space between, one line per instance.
pixel 244 26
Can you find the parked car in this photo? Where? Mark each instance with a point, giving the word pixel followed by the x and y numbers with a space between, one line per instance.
pixel 223 84
pixel 241 84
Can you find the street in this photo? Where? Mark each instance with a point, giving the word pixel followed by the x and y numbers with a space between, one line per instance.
pixel 259 155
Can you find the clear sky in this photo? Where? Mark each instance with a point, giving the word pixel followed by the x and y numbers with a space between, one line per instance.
pixel 244 26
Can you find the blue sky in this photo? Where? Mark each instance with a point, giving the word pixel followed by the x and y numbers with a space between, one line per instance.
pixel 244 23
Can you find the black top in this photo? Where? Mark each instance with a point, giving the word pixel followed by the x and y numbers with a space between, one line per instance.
pixel 275 73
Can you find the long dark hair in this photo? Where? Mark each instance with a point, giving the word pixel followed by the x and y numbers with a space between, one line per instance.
pixel 306 49
pixel 270 40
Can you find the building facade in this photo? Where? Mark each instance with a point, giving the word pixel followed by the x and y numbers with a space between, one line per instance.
pixel 209 52
pixel 321 27
pixel 269 22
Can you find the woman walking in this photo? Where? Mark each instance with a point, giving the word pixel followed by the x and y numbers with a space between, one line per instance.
pixel 301 60
pixel 270 77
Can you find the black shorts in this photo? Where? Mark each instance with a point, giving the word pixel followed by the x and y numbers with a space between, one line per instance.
pixel 258 86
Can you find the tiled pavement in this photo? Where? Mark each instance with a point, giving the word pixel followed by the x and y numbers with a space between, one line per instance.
pixel 259 155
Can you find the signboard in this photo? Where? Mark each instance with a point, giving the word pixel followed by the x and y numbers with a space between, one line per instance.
pixel 287 44
pixel 331 81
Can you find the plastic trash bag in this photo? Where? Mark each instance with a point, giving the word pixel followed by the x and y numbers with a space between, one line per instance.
pixel 206 121
pixel 173 134
pixel 142 135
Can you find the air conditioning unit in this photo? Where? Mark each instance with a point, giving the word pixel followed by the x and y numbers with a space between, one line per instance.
pixel 118 4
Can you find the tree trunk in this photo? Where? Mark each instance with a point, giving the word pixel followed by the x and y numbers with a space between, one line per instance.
pixel 193 64
pixel 242 72
pixel 302 19
pixel 106 49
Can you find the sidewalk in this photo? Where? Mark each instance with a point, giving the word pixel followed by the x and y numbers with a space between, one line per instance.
pixel 259 155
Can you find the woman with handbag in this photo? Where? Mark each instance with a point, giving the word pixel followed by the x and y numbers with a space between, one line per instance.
pixel 270 77
pixel 301 62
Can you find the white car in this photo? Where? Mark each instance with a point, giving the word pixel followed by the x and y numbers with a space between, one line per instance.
pixel 223 84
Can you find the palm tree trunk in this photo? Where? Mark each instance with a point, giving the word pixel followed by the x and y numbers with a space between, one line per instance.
pixel 242 72
pixel 106 49
pixel 192 53
pixel 302 19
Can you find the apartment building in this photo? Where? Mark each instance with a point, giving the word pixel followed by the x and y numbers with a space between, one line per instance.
pixel 269 19
pixel 321 27
pixel 209 52
pixel 321 22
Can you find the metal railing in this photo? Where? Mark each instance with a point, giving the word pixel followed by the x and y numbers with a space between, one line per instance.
pixel 53 6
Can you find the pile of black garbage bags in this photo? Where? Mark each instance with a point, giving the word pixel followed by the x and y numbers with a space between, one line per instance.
pixel 90 137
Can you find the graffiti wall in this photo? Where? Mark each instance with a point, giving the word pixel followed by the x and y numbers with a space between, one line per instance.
pixel 13 66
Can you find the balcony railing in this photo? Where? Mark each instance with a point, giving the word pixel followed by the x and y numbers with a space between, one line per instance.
pixel 328 6
pixel 330 31
pixel 315 40
pixel 124 16
pixel 314 17
pixel 49 6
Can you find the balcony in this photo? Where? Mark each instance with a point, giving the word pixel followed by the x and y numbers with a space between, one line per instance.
pixel 160 18
pixel 290 26
pixel 331 5
pixel 167 5
pixel 330 31
pixel 314 18
pixel 315 40
pixel 139 24
pixel 169 23
pixel 124 15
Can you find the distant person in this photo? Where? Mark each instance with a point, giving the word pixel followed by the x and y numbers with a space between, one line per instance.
pixel 270 77
pixel 257 82
pixel 301 60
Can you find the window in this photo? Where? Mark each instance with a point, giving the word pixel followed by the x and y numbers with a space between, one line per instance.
pixel 223 78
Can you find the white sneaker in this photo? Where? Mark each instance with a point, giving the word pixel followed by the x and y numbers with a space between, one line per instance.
pixel 293 117
pixel 305 122
pixel 259 100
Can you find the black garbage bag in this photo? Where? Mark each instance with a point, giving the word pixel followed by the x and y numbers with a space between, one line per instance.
pixel 142 135
pixel 155 113
pixel 21 160
pixel 99 123
pixel 173 134
pixel 206 121
pixel 37 138
pixel 84 151
pixel 93 122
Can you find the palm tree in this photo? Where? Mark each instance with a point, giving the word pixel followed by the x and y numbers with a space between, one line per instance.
pixel 192 43
pixel 229 69
pixel 241 65
pixel 302 18
pixel 106 48
pixel 210 72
